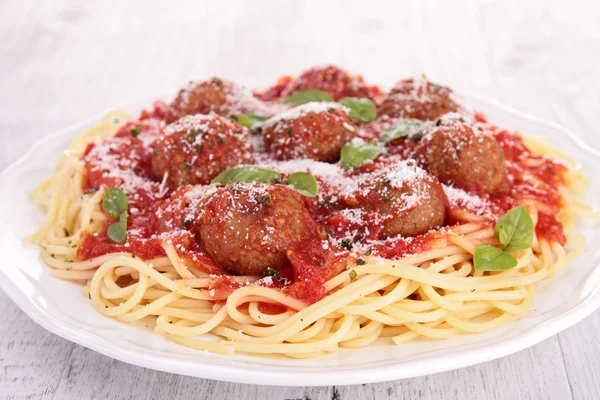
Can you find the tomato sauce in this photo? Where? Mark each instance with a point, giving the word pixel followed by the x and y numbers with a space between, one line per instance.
pixel 157 214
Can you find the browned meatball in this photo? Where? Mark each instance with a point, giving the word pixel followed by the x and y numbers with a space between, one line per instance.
pixel 420 99
pixel 217 96
pixel 459 153
pixel 196 148
pixel 246 228
pixel 333 80
pixel 409 200
pixel 313 130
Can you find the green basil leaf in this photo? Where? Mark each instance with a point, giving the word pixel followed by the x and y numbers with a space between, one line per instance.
pixel 252 121
pixel 247 173
pixel 307 96
pixel 399 130
pixel 117 231
pixel 114 202
pixel 355 153
pixel 304 183
pixel 514 230
pixel 362 110
pixel 490 258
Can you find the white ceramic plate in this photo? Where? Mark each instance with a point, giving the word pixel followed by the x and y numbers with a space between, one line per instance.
pixel 61 308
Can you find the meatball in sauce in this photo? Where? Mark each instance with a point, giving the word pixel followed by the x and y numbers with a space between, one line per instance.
pixel 420 99
pixel 314 130
pixel 196 148
pixel 247 228
pixel 460 153
pixel 330 79
pixel 410 201
pixel 218 96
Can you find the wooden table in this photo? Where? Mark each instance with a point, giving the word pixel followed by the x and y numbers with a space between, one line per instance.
pixel 65 60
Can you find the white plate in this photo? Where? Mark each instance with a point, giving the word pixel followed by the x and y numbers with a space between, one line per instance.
pixel 61 308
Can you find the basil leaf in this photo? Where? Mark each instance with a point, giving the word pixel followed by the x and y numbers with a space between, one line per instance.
pixel 115 202
pixel 307 96
pixel 117 231
pixel 399 130
pixel 251 121
pixel 304 183
pixel 355 153
pixel 362 110
pixel 490 258
pixel 247 173
pixel 514 230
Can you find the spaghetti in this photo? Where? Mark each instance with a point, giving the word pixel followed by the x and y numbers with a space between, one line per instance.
pixel 393 289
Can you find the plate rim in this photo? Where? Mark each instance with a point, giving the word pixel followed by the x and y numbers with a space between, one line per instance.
pixel 240 374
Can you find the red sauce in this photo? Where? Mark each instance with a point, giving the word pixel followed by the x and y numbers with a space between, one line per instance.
pixel 548 227
pixel 270 308
pixel 159 215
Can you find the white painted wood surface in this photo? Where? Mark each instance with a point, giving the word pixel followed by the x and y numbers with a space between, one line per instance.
pixel 66 60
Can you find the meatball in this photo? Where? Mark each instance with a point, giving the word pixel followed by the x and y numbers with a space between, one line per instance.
pixel 313 130
pixel 409 200
pixel 246 228
pixel 196 148
pixel 459 153
pixel 333 80
pixel 220 97
pixel 420 99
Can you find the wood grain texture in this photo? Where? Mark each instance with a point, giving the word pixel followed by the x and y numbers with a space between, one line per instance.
pixel 63 61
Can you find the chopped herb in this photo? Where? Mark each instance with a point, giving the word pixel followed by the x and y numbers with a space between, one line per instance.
pixel 360 261
pixel 352 275
pixel 387 197
pixel 272 272
pixel 346 244
pixel 369 252
pixel 187 165
pixel 264 200
pixel 136 130
pixel 329 232
pixel 219 138
pixel 187 223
